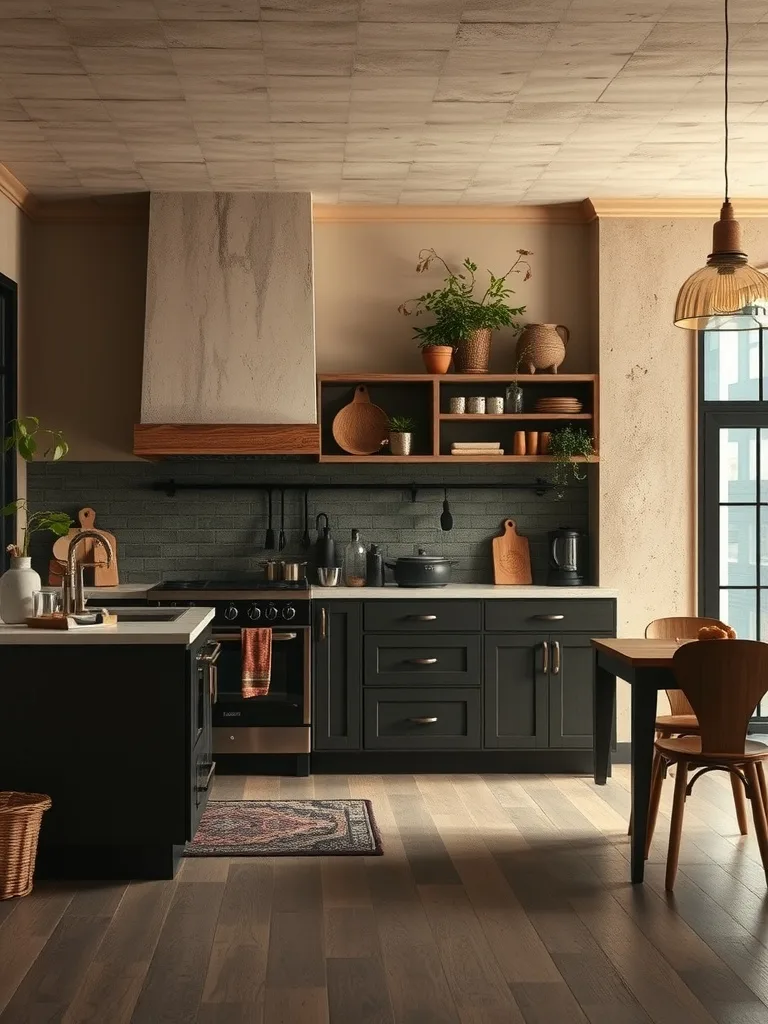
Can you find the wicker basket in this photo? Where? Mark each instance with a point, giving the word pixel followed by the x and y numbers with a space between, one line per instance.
pixel 21 815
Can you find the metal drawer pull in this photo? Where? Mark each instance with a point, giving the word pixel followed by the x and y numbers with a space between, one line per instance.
pixel 209 776
pixel 423 661
pixel 213 654
pixel 423 618
pixel 556 659
pixel 323 624
pixel 545 657
pixel 423 721
pixel 548 618
pixel 227 639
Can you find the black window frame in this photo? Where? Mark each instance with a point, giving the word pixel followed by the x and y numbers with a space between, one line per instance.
pixel 9 379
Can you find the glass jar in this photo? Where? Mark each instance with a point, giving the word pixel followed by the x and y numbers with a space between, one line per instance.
pixel 513 398
pixel 355 562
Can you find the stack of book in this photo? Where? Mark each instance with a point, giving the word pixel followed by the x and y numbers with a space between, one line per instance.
pixel 476 448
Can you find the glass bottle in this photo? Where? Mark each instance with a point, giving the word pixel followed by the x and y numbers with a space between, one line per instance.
pixel 355 562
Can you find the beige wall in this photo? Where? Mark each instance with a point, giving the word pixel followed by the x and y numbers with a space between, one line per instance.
pixel 364 271
pixel 84 315
pixel 647 479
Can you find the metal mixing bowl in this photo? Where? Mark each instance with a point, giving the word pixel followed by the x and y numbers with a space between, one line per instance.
pixel 328 577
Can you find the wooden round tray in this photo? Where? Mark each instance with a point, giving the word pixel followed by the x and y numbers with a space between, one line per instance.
pixel 360 427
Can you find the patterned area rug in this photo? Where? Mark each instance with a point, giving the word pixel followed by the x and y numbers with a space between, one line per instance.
pixel 286 828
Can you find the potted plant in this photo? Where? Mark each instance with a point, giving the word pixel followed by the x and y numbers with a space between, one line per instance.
pixel 566 445
pixel 20 582
pixel 463 321
pixel 400 435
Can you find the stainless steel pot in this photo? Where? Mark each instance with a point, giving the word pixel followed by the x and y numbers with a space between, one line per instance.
pixel 293 571
pixel 273 570
pixel 421 570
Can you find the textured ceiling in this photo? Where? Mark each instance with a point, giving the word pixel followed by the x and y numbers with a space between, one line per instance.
pixel 383 101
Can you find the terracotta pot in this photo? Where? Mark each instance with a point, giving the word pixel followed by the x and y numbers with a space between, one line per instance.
pixel 437 358
pixel 542 347
pixel 472 354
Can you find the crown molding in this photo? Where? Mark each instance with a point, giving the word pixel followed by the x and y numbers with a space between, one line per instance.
pixel 672 208
pixel 343 213
pixel 18 194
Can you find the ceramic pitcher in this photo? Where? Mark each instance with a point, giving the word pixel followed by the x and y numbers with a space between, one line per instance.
pixel 17 586
pixel 542 347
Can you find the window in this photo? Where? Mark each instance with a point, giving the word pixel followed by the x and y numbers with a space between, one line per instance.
pixel 7 408
pixel 733 478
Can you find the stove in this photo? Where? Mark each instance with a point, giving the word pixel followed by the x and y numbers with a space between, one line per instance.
pixel 242 600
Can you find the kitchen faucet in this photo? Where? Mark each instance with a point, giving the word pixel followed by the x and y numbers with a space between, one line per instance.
pixel 72 594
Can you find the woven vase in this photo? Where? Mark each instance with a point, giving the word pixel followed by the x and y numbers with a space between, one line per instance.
pixel 472 354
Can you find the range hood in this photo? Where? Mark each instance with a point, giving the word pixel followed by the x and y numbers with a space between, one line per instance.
pixel 229 348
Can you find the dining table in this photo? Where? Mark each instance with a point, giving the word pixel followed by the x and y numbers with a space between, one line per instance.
pixel 647 666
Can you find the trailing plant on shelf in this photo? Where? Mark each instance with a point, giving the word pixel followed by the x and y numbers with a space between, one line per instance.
pixel 463 321
pixel 566 445
pixel 23 435
pixel 400 435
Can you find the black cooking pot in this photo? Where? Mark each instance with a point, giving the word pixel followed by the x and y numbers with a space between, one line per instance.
pixel 421 570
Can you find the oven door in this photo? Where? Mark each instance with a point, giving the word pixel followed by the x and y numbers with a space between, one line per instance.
pixel 287 702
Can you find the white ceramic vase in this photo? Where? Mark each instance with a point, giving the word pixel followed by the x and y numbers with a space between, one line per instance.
pixel 17 586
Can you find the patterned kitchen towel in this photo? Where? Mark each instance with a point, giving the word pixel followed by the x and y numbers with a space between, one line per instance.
pixel 256 674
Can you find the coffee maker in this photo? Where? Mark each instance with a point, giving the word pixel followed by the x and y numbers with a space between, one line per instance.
pixel 567 558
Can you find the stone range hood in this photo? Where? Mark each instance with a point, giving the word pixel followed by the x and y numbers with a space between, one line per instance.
pixel 229 348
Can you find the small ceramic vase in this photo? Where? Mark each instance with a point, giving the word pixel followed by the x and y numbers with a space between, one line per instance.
pixel 17 589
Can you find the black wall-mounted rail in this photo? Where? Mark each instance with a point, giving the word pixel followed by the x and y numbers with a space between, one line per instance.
pixel 171 487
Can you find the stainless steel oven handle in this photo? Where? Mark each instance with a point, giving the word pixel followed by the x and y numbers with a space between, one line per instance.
pixel 230 639
pixel 213 653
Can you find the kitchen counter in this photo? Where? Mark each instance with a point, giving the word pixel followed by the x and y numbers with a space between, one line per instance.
pixel 476 591
pixel 184 630
pixel 122 592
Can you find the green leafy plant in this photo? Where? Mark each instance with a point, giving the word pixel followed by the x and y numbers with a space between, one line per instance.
pixel 23 436
pixel 456 310
pixel 565 446
pixel 401 424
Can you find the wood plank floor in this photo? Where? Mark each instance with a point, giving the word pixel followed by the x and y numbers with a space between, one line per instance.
pixel 499 900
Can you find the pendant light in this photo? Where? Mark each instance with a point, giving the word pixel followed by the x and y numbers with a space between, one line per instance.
pixel 727 294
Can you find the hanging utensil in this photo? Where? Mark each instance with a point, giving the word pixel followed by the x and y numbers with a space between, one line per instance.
pixel 269 540
pixel 446 519
pixel 281 535
pixel 306 540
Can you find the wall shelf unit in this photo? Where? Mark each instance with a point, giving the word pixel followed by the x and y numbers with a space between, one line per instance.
pixel 425 398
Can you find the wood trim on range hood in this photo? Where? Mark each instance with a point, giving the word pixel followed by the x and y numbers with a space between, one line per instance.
pixel 158 440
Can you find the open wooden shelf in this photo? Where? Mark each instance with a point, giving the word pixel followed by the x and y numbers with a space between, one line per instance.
pixel 425 398
pixel 481 417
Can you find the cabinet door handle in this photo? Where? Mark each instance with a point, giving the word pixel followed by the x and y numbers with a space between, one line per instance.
pixel 548 618
pixel 423 721
pixel 323 624
pixel 555 658
pixel 422 618
pixel 545 657
pixel 211 770
pixel 423 661
pixel 213 650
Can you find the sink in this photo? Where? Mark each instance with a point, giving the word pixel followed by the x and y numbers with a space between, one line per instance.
pixel 145 614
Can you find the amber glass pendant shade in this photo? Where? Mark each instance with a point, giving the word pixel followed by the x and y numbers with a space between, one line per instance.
pixel 727 294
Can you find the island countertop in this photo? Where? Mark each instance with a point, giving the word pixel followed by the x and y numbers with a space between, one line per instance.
pixel 183 630
pixel 458 591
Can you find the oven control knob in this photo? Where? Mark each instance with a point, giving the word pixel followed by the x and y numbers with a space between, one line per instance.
pixel 289 612
pixel 271 612
pixel 254 613
pixel 230 613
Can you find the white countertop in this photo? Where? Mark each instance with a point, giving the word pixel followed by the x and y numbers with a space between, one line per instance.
pixel 184 630
pixel 474 591
pixel 122 592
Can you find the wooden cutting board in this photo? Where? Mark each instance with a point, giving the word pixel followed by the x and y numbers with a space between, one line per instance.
pixel 511 556
pixel 87 552
pixel 360 427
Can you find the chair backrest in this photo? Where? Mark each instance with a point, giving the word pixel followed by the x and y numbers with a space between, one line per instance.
pixel 680 627
pixel 724 680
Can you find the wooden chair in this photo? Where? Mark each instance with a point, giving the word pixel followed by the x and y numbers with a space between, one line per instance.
pixel 723 680
pixel 682 720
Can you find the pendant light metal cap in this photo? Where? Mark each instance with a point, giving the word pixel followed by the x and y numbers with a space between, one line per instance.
pixel 728 294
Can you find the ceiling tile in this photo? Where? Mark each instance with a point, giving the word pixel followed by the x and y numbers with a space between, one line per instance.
pixel 175 176
pixel 303 111
pixel 137 87
pixel 166 152
pixel 639 90
pixel 616 10
pixel 407 11
pixel 329 152
pixel 217 63
pixel 84 10
pixel 359 170
pixel 36 32
pixel 321 89
pixel 480 88
pixel 43 87
pixel 505 38
pixel 159 112
pixel 12 110
pixel 229 109
pixel 387 36
pixel 213 10
pixel 549 88
pixel 130 60
pixel 26 9
pixel 222 85
pixel 467 112
pixel 698 35
pixel 308 60
pixel 106 33
pixel 397 62
pixel 748 11
pixel 39 60
pixel 519 10
pixel 237 35
pixel 318 34
pixel 65 110
pixel 309 10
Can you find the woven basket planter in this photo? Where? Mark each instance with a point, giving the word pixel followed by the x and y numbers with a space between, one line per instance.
pixel 21 815
pixel 472 354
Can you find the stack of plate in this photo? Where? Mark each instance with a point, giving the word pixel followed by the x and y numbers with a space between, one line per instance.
pixel 559 405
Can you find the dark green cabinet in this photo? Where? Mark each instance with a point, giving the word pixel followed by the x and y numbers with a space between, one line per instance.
pixel 516 690
pixel 338 639
pixel 570 691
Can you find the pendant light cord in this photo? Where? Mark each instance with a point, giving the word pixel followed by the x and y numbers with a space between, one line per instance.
pixel 725 92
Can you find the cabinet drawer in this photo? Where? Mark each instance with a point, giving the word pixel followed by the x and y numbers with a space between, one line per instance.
pixel 422 616
pixel 422 661
pixel 420 720
pixel 581 615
